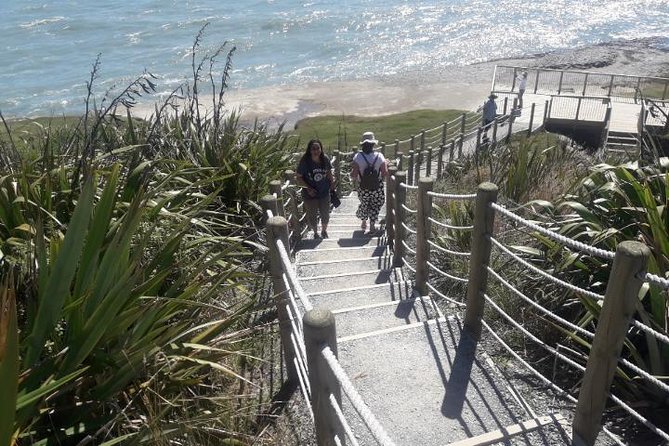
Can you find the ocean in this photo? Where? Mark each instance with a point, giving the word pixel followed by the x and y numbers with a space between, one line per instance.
pixel 49 46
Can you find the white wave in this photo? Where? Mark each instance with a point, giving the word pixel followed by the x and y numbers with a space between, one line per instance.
pixel 40 22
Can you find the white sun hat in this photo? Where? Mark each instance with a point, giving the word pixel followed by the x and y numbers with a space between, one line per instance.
pixel 368 137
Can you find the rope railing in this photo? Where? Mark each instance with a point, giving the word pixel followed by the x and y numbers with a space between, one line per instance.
pixel 452 196
pixel 443 296
pixel 448 251
pixel 449 226
pixel 358 403
pixel 408 209
pixel 543 273
pixel 342 420
pixel 445 274
pixel 292 276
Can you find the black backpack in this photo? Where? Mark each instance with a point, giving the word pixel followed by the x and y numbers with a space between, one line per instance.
pixel 370 178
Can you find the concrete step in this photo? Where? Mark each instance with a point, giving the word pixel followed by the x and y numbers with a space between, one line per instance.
pixel 372 318
pixel 362 252
pixel 350 218
pixel 330 243
pixel 349 280
pixel 329 267
pixel 356 297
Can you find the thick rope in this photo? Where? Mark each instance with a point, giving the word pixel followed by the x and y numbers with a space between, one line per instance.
pixel 545 274
pixel 445 274
pixel 408 209
pixel 408 248
pixel 307 396
pixel 545 346
pixel 645 375
pixel 409 267
pixel 269 213
pixel 554 235
pixel 656 280
pixel 548 313
pixel 447 226
pixel 342 420
pixel 543 378
pixel 452 196
pixel 302 370
pixel 407 186
pixel 448 251
pixel 408 229
pixel 443 296
pixel 646 329
pixel 349 389
pixel 292 277
pixel 639 417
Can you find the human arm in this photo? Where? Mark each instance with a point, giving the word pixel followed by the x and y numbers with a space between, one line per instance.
pixel 300 180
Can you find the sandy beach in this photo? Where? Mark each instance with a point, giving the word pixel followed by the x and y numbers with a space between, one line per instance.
pixel 458 87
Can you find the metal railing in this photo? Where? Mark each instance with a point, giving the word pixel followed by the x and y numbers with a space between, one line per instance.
pixel 618 87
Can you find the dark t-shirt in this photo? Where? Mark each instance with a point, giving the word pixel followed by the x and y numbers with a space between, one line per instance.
pixel 316 176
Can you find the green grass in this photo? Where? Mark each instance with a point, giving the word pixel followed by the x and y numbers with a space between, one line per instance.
pixel 345 130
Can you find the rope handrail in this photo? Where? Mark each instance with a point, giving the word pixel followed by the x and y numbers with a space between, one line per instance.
pixel 645 375
pixel 407 247
pixel 443 296
pixel 541 343
pixel 356 400
pixel 646 329
pixel 656 280
pixel 554 235
pixel 639 417
pixel 447 226
pixel 452 196
pixel 445 274
pixel 342 420
pixel 555 280
pixel 408 229
pixel 292 277
pixel 307 396
pixel 547 312
pixel 448 251
pixel 408 209
pixel 408 186
pixel 409 267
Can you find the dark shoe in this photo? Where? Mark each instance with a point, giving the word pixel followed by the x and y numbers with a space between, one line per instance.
pixel 324 233
pixel 316 236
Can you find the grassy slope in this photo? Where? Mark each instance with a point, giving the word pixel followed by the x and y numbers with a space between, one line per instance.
pixel 345 130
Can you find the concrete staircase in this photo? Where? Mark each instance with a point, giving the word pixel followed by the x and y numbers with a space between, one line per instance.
pixel 625 142
pixel 424 380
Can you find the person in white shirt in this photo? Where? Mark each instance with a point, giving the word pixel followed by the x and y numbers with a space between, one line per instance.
pixel 522 84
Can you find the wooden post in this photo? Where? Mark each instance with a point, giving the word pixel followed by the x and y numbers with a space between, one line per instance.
pixel 664 92
pixel 420 157
pixel 337 166
pixel 428 162
pixel 452 151
pixel 400 199
pixel 515 105
pixel 269 203
pixel 382 148
pixel 578 107
pixel 484 219
pixel 397 147
pixel 463 123
pixel 610 86
pixel 585 84
pixel 494 131
pixel 320 332
pixel 560 84
pixel 412 143
pixel 422 139
pixel 529 130
pixel 506 104
pixel 619 307
pixel 400 157
pixel 440 160
pixel 410 167
pixel 536 81
pixel 276 229
pixel 509 131
pixel 275 188
pixel 444 133
pixel 423 231
pixel 390 206
pixel 545 113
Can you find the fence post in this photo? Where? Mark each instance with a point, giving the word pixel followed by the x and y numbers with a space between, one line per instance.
pixel 545 113
pixel 494 130
pixel 506 104
pixel 412 143
pixel 420 157
pixel 529 129
pixel 484 219
pixel 423 231
pixel 276 229
pixel 452 151
pixel 510 129
pixel 337 166
pixel 428 163
pixel 382 149
pixel 610 86
pixel 619 307
pixel 444 133
pixel 440 160
pixel 294 221
pixel 269 203
pixel 390 206
pixel 400 157
pixel 536 81
pixel 320 332
pixel 397 147
pixel 422 139
pixel 400 199
pixel 410 167
pixel 463 124
pixel 578 107
pixel 585 84
pixel 275 188
pixel 560 84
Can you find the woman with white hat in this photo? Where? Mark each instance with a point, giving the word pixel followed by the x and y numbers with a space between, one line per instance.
pixel 368 170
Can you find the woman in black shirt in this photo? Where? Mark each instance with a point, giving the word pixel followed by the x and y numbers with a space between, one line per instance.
pixel 314 174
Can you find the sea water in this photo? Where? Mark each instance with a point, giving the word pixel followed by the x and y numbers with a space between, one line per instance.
pixel 48 47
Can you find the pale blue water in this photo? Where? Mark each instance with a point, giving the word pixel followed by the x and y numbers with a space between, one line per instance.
pixel 48 46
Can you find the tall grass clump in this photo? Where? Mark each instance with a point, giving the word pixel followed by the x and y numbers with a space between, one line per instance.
pixel 132 269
